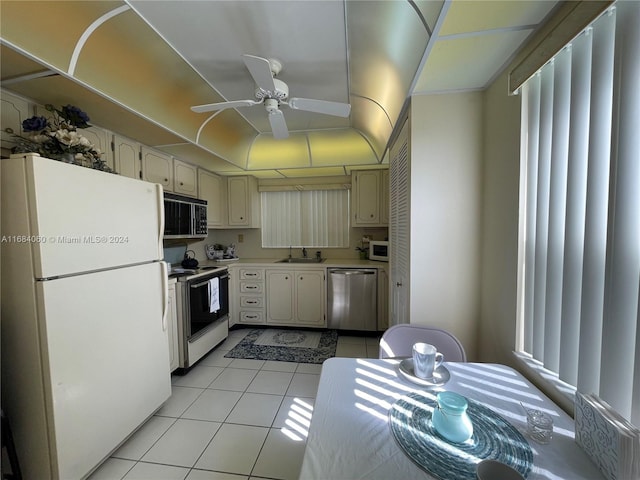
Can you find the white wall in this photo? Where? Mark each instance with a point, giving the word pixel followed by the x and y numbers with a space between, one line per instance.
pixel 501 133
pixel 446 173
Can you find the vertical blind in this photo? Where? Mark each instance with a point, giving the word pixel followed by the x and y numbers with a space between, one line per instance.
pixel 314 218
pixel 581 231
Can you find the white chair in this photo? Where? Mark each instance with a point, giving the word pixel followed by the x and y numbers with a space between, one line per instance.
pixel 398 341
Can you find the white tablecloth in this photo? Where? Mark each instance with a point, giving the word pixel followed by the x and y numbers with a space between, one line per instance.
pixel 349 436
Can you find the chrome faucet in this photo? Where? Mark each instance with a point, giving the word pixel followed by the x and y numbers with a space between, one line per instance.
pixel 289 251
pixel 304 252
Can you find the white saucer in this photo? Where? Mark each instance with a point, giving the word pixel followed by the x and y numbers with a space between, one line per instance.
pixel 440 375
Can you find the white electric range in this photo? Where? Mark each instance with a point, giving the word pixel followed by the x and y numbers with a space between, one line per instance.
pixel 203 305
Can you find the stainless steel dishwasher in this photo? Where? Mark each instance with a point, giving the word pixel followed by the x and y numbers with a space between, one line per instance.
pixel 352 299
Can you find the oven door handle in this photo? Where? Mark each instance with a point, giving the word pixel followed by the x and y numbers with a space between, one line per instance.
pixel 202 284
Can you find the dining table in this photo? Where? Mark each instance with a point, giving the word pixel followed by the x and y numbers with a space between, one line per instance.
pixel 371 420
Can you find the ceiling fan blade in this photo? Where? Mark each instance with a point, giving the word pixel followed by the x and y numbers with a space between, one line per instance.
pixel 211 107
pixel 278 125
pixel 320 106
pixel 260 70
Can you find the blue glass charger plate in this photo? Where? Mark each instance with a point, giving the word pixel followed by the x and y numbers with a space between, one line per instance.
pixel 493 438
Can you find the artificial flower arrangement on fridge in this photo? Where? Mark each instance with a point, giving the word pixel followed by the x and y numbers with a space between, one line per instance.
pixel 57 137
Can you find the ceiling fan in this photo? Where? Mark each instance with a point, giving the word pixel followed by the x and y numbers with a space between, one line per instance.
pixel 273 92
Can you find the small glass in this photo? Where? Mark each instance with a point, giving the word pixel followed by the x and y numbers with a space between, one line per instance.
pixel 539 426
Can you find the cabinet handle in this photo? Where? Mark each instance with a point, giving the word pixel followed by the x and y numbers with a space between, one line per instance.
pixel 398 284
pixel 251 287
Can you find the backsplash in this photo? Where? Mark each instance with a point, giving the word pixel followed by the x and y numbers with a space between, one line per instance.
pixel 251 245
pixel 174 255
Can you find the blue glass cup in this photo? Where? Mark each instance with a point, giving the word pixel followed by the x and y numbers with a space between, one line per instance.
pixel 450 418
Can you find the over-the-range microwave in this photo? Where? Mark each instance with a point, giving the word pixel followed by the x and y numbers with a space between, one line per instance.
pixel 379 250
pixel 184 217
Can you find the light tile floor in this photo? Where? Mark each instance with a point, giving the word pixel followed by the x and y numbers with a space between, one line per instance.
pixel 229 419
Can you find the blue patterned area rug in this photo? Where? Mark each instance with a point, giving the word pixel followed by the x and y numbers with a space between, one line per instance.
pixel 286 345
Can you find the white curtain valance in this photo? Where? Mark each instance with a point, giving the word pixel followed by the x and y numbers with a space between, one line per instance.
pixel 342 182
pixel 566 23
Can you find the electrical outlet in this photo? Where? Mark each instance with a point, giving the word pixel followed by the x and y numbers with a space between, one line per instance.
pixel 240 238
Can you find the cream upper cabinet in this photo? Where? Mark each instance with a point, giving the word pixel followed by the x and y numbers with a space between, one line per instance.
pixel 13 111
pixel 295 297
pixel 213 189
pixel 126 157
pixel 185 178
pixel 157 167
pixel 370 198
pixel 101 139
pixel 243 202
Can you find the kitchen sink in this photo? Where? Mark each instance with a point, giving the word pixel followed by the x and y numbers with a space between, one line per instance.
pixel 301 260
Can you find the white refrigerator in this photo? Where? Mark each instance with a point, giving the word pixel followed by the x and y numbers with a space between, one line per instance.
pixel 85 356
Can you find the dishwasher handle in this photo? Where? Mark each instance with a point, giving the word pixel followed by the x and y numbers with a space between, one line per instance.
pixel 352 272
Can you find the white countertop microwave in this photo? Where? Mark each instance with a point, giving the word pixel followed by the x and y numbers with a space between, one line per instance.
pixel 379 250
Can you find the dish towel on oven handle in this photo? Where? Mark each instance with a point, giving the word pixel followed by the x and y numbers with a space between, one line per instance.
pixel 214 295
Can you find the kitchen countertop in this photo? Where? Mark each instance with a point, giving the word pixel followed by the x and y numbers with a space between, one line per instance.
pixel 273 262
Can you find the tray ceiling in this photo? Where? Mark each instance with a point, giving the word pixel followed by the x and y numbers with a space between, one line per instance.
pixel 137 67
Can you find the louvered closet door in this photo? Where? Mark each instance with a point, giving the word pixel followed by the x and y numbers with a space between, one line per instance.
pixel 399 228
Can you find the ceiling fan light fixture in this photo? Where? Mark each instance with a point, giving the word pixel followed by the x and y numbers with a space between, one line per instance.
pixel 281 91
pixel 271 105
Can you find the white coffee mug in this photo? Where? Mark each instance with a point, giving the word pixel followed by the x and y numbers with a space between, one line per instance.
pixel 426 359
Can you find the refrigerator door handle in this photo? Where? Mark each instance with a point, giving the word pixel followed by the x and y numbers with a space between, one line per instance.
pixel 165 295
pixel 160 202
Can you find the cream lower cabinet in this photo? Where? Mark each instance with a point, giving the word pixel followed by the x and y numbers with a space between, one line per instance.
pixel 172 327
pixel 250 299
pixel 295 297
